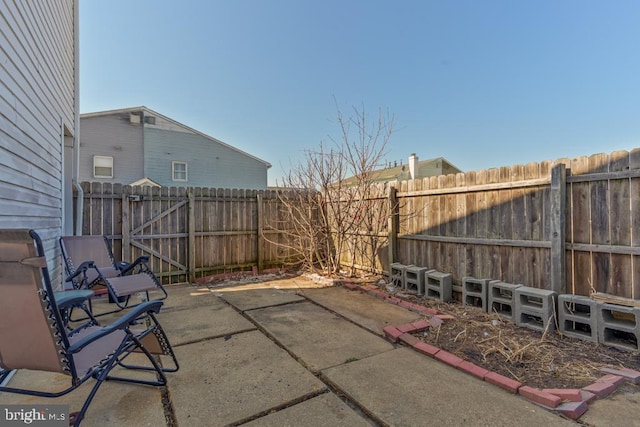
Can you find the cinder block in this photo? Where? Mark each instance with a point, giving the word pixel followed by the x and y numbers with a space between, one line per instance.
pixel 414 278
pixel 438 285
pixel 535 308
pixel 619 326
pixel 501 299
pixel 474 292
pixel 577 317
pixel 397 274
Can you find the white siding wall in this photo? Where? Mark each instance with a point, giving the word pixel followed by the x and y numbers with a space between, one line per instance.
pixel 37 100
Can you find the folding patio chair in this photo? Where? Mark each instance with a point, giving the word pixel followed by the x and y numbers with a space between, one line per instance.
pixel 89 262
pixel 32 335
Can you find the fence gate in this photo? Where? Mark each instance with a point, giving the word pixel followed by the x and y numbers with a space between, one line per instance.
pixel 157 225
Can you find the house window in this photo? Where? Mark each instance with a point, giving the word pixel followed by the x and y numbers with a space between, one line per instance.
pixel 102 167
pixel 179 171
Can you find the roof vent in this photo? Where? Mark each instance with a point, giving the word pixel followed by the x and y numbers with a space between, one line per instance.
pixel 150 120
pixel 134 118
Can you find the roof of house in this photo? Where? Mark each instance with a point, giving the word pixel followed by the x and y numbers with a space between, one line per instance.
pixel 151 112
pixel 146 181
pixel 401 172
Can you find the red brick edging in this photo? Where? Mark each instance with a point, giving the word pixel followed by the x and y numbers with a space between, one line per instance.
pixel 572 403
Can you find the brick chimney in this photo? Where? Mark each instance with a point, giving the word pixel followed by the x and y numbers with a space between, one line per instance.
pixel 413 165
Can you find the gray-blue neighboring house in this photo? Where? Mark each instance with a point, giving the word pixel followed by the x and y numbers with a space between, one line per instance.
pixel 141 146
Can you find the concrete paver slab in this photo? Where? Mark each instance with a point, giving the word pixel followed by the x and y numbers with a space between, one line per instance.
pixel 318 337
pixel 619 409
pixel 249 299
pixel 217 318
pixel 324 410
pixel 188 297
pixel 115 404
pixel 402 387
pixel 222 381
pixel 363 309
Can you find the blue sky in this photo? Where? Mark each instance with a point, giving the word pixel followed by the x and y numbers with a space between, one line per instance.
pixel 482 83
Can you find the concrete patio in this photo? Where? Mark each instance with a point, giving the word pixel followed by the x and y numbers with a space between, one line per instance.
pixel 294 353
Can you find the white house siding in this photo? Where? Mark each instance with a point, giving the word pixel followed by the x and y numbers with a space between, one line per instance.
pixel 210 164
pixel 116 136
pixel 37 102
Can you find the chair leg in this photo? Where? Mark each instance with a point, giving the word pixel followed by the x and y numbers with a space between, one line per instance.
pixel 160 376
pixel 100 376
pixel 165 348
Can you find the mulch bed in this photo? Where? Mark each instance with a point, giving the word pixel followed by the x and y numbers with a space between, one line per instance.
pixel 536 359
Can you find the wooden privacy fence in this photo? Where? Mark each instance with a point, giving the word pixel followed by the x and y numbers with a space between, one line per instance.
pixel 187 232
pixel 568 225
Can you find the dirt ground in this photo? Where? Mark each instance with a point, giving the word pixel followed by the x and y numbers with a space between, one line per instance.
pixel 536 359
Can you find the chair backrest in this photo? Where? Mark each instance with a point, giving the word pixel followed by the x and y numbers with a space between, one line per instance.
pixel 30 325
pixel 77 249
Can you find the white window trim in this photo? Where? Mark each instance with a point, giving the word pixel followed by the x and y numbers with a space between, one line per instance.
pixel 173 171
pixel 110 159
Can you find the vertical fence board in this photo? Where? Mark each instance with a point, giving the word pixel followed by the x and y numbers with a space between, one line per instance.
pixel 483 261
pixel 600 207
pixel 519 227
pixel 620 226
pixel 634 190
pixel 582 281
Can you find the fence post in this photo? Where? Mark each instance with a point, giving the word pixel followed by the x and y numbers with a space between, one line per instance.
pixel 393 226
pixel 557 222
pixel 126 228
pixel 260 236
pixel 191 240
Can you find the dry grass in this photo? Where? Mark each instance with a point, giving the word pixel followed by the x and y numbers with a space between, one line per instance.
pixel 540 359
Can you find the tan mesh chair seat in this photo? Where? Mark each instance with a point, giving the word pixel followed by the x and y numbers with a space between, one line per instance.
pixel 128 285
pixel 89 261
pixel 92 354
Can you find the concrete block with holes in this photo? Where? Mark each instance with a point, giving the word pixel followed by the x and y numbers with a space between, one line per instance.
pixel 577 317
pixel 535 308
pixel 414 278
pixel 397 274
pixel 438 285
pixel 501 299
pixel 619 326
pixel 474 292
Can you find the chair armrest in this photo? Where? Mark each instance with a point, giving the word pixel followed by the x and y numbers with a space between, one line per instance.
pixel 66 299
pixel 126 267
pixel 82 268
pixel 121 323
